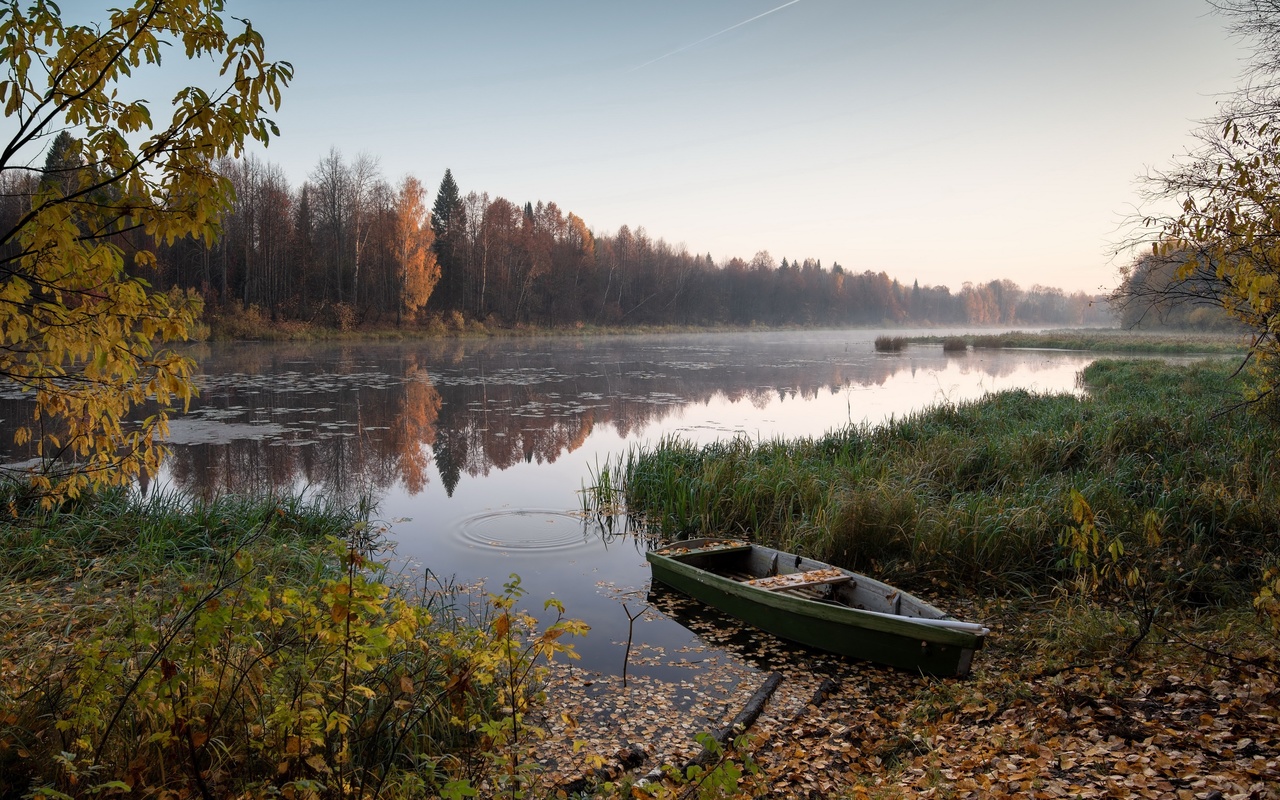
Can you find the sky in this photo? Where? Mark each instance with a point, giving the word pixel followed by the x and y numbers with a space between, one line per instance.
pixel 943 141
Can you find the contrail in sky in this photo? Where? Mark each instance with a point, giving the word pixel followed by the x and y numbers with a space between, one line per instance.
pixel 714 35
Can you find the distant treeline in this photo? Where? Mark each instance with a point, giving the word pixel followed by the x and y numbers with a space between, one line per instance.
pixel 346 247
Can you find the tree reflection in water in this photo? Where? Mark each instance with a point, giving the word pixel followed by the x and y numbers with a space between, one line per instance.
pixel 475 449
pixel 359 419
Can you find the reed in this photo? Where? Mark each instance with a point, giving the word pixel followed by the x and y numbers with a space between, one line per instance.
pixel 989 341
pixel 975 496
pixel 954 344
pixel 890 344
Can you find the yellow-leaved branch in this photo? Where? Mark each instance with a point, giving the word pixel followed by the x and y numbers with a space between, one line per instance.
pixel 80 327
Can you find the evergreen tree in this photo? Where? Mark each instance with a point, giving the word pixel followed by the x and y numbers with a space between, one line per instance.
pixel 449 450
pixel 61 166
pixel 447 222
pixel 65 169
pixel 447 201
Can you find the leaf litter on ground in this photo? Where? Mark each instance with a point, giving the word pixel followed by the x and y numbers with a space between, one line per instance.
pixel 1173 722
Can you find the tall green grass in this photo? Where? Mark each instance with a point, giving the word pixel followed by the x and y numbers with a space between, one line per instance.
pixel 890 344
pixel 974 496
pixel 165 532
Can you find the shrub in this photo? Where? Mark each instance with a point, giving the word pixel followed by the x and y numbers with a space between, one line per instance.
pixel 244 681
pixel 344 316
pixel 435 325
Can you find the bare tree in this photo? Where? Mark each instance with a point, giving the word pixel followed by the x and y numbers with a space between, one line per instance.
pixel 1207 237
pixel 365 177
pixel 331 185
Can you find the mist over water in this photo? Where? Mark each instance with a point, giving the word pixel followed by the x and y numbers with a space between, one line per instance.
pixel 475 450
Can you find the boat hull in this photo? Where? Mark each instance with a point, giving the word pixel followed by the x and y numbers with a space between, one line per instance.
pixel 881 638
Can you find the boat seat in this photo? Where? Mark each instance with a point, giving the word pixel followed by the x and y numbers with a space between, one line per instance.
pixel 795 580
pixel 712 549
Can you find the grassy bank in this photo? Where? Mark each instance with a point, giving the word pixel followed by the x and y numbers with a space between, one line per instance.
pixel 253 325
pixel 246 648
pixel 237 324
pixel 1112 543
pixel 1099 340
pixel 1013 494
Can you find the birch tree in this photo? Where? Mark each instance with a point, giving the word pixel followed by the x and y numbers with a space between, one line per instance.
pixel 414 240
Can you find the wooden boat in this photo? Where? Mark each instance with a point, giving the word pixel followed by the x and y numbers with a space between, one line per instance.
pixel 819 605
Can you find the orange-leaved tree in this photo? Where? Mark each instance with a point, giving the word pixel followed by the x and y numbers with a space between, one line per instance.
pixel 79 327
pixel 414 243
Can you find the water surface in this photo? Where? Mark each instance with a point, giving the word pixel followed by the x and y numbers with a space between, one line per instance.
pixel 475 450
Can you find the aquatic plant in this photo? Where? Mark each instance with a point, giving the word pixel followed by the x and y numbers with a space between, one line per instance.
pixel 890 344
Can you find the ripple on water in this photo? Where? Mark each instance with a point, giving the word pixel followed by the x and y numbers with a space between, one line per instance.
pixel 528 529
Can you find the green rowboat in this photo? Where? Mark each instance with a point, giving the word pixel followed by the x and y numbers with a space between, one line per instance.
pixel 818 605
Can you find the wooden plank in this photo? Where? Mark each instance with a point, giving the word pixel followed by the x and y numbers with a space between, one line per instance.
pixel 796 580
pixel 812 593
pixel 714 548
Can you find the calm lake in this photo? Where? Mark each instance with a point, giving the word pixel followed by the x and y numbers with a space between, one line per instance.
pixel 475 451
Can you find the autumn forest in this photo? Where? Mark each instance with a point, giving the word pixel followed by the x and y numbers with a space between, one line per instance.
pixel 347 248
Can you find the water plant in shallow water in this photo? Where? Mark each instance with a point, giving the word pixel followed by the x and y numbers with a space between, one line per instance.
pixel 890 344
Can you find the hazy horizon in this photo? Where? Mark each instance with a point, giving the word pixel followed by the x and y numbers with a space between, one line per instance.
pixel 934 141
